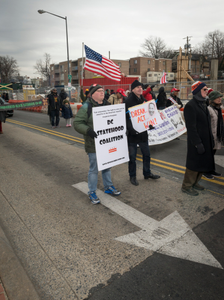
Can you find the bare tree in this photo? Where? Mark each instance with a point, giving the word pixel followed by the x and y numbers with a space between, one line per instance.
pixel 8 68
pixel 154 47
pixel 43 67
pixel 212 46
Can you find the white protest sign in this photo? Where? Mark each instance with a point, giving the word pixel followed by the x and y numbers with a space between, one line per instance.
pixel 109 123
pixel 173 126
pixel 143 115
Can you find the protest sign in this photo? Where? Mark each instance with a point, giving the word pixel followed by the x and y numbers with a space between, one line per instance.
pixel 172 126
pixel 111 143
pixel 143 115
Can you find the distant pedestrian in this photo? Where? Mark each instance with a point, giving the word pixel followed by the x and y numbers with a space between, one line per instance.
pixel 161 99
pixel 147 92
pixel 174 99
pixel 54 108
pixel 112 92
pixel 118 97
pixel 215 111
pixel 200 157
pixel 67 112
pixel 107 94
pixel 2 115
pixel 63 95
pixel 83 96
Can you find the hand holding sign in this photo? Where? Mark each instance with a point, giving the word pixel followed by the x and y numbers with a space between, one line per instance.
pixel 144 115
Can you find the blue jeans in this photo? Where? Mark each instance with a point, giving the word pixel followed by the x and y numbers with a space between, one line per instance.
pixel 93 174
pixel 132 148
pixel 55 113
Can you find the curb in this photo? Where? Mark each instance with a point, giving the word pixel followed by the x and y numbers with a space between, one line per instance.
pixel 16 284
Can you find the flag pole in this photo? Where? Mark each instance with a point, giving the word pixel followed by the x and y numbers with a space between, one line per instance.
pixel 82 61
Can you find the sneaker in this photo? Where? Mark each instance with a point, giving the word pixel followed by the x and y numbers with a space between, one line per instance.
pixel 215 174
pixel 190 191
pixel 208 175
pixel 94 199
pixel 53 127
pixel 67 125
pixel 112 191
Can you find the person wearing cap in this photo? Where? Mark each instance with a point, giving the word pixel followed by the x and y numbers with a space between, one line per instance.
pixel 173 99
pixel 107 94
pixel 200 157
pixel 118 97
pixel 83 123
pixel 215 111
pixel 135 138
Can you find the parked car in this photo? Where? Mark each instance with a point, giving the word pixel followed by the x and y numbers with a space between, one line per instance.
pixel 9 113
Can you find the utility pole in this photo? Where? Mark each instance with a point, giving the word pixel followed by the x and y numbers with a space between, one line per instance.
pixel 187 45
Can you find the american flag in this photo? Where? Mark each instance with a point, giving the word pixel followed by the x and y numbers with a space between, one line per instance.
pixel 163 79
pixel 99 64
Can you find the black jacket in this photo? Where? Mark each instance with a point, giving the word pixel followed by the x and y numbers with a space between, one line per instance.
pixel 133 100
pixel 52 104
pixel 198 125
pixel 169 102
pixel 162 99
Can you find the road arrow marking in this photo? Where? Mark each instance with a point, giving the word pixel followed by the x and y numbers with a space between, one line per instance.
pixel 171 236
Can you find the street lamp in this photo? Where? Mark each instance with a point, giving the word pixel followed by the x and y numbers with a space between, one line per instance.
pixel 41 11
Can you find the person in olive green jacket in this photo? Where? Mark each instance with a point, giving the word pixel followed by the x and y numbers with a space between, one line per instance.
pixel 83 123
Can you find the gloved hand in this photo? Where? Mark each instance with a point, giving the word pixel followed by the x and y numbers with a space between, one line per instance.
pixel 92 133
pixel 151 127
pixel 177 105
pixel 152 86
pixel 200 148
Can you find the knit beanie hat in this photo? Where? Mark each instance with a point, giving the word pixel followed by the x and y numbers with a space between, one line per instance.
pixel 94 87
pixel 135 84
pixel 214 95
pixel 197 86
pixel 210 90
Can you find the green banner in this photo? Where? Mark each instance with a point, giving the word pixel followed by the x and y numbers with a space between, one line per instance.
pixel 25 104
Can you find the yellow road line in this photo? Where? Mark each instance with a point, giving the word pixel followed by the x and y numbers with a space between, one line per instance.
pixel 58 134
pixel 139 157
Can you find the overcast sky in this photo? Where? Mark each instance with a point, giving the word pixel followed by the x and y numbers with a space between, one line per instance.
pixel 118 26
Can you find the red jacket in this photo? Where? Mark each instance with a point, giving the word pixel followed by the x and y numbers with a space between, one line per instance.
pixel 147 95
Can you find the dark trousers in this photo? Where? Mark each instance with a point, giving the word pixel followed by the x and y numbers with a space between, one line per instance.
pixel 190 178
pixel 132 148
pixel 55 114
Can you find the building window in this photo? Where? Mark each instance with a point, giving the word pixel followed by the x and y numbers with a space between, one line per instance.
pixel 135 70
pixel 164 63
pixel 119 64
pixel 149 62
pixel 135 61
pixel 80 63
pixel 148 69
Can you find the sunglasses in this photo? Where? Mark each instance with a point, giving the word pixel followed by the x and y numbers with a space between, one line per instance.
pixel 205 90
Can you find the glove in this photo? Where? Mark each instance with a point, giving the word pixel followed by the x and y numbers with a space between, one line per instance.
pixel 92 133
pixel 151 127
pixel 200 148
pixel 177 105
pixel 152 86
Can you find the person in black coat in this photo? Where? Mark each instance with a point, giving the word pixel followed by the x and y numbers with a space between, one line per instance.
pixel 135 138
pixel 162 99
pixel 63 95
pixel 200 157
pixel 54 107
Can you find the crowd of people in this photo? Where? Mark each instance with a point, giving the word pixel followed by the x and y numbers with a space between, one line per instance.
pixel 205 132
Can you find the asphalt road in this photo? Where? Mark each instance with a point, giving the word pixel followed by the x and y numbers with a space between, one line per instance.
pixel 152 242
